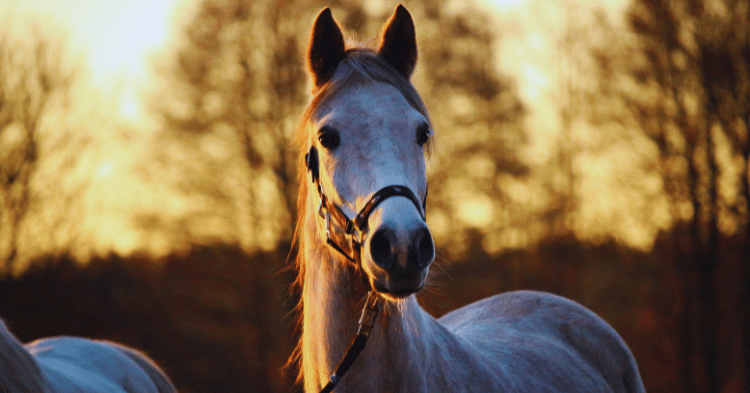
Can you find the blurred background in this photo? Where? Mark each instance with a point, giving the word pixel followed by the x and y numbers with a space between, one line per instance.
pixel 597 150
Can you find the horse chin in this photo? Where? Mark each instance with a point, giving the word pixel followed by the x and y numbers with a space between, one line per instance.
pixel 396 296
pixel 399 288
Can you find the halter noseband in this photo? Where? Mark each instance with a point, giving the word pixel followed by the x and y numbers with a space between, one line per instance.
pixel 346 235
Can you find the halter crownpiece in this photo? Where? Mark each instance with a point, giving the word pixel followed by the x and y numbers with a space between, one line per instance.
pixel 346 235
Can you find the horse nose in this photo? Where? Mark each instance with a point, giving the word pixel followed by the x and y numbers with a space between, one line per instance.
pixel 422 247
pixel 382 248
pixel 410 256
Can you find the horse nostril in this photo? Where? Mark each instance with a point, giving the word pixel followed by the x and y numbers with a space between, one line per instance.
pixel 381 248
pixel 425 247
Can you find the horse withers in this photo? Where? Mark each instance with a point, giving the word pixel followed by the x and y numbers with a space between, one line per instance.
pixel 365 137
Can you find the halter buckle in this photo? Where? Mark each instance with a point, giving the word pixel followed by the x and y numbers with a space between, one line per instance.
pixel 369 313
pixel 323 212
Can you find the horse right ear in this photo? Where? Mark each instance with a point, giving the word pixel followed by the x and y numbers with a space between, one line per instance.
pixel 326 48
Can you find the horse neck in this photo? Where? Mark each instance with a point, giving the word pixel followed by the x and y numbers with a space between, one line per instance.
pixel 19 371
pixel 332 301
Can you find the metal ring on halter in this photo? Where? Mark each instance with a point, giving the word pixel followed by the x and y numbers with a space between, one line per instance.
pixel 328 225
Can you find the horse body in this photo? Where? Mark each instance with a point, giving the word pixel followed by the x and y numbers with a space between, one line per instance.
pixel 514 342
pixel 365 132
pixel 72 364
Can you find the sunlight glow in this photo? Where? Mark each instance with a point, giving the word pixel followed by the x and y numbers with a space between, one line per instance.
pixel 130 106
pixel 476 210
pixel 106 169
pixel 115 35
pixel 503 4
pixel 125 32
pixel 537 82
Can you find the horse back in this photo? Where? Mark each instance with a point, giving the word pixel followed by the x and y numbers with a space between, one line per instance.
pixel 77 364
pixel 543 334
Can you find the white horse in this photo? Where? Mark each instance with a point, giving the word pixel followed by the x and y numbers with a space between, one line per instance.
pixel 365 131
pixel 76 365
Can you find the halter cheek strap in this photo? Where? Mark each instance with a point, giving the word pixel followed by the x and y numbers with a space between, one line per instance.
pixel 345 235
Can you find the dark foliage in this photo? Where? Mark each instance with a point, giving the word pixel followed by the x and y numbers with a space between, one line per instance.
pixel 216 319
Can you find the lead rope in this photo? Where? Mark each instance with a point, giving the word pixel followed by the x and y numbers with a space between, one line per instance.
pixel 366 322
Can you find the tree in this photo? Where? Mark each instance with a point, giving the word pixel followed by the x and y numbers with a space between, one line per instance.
pixel 692 71
pixel 33 78
pixel 236 84
pixel 478 120
pixel 238 78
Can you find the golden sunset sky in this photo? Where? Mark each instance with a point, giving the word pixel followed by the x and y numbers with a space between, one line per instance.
pixel 119 42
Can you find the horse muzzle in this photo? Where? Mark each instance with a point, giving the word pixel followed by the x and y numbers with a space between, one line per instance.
pixel 399 250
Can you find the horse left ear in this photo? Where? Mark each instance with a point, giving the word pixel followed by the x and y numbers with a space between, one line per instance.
pixel 398 42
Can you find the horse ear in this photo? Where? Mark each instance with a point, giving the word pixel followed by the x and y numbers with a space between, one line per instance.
pixel 326 48
pixel 398 42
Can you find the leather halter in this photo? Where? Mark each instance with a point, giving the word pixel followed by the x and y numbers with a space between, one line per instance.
pixel 346 235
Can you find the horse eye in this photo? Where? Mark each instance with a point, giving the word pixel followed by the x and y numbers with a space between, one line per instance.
pixel 329 137
pixel 423 134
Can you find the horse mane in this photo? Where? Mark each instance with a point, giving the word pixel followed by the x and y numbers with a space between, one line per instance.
pixel 19 371
pixel 360 65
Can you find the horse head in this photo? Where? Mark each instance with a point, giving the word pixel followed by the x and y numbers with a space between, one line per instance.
pixel 366 141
